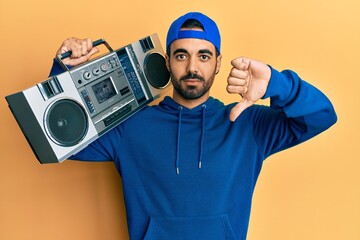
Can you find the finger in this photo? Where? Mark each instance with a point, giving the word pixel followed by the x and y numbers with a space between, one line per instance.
pixel 236 89
pixel 89 44
pixel 64 47
pixel 86 46
pixel 82 59
pixel 93 51
pixel 73 45
pixel 236 81
pixel 241 63
pixel 239 108
pixel 239 73
pixel 77 47
pixel 75 61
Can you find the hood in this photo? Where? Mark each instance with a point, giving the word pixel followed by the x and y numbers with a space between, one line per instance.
pixel 202 111
pixel 170 106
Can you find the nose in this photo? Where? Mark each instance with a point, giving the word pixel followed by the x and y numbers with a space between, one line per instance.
pixel 192 65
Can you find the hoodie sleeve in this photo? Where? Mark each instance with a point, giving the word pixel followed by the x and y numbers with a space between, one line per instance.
pixel 56 69
pixel 298 111
pixel 103 149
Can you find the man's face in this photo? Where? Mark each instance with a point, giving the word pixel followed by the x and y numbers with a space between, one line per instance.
pixel 193 65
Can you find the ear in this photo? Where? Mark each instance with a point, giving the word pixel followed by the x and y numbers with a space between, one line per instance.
pixel 218 63
pixel 167 60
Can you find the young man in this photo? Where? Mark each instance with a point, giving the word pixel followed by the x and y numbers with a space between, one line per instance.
pixel 189 165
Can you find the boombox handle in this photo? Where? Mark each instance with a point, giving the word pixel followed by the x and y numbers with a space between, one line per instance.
pixel 60 57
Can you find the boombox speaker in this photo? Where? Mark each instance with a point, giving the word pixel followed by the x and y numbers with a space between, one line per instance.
pixel 65 113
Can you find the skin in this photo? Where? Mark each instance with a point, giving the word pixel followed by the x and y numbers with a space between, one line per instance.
pixel 249 78
pixel 81 50
pixel 195 58
pixel 193 65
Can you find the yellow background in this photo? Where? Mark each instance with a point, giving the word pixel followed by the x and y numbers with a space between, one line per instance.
pixel 309 192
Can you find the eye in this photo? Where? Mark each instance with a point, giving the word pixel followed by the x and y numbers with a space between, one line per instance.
pixel 180 56
pixel 204 57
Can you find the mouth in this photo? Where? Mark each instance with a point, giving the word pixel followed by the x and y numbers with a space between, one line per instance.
pixel 192 78
pixel 192 82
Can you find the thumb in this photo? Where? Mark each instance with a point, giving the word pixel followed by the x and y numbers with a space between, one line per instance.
pixel 239 108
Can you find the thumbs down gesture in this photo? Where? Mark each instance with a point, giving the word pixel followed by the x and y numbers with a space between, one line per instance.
pixel 250 79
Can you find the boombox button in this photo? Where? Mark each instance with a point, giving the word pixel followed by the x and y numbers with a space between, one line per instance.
pixel 87 75
pixel 96 71
pixel 104 67
pixel 112 63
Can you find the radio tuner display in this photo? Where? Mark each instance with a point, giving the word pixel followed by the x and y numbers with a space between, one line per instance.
pixel 104 90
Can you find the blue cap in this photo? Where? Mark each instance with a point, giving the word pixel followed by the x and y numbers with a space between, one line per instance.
pixel 211 32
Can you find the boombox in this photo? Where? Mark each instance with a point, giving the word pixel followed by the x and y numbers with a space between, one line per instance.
pixel 65 113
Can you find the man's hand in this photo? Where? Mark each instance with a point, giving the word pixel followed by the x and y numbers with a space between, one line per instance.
pixel 250 79
pixel 81 50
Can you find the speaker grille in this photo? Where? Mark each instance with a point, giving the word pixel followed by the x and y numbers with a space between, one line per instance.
pixel 66 122
pixel 155 70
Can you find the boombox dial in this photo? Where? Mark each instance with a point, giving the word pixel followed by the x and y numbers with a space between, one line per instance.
pixel 104 67
pixel 96 71
pixel 87 75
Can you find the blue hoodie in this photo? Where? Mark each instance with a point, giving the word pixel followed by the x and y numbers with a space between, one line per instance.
pixel 190 173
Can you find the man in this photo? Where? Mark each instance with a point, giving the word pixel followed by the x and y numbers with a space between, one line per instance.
pixel 189 165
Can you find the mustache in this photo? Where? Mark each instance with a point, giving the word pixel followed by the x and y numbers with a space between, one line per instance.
pixel 192 76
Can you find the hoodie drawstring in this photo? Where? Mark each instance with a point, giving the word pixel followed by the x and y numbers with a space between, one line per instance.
pixel 202 135
pixel 201 140
pixel 178 142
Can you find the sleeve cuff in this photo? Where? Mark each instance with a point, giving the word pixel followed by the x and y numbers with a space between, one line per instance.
pixel 282 87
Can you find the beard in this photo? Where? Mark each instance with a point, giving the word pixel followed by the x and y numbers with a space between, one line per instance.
pixel 191 91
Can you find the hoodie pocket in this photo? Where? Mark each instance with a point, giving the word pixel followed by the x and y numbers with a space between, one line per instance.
pixel 190 228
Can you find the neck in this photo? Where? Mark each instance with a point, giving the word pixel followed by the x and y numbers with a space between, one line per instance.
pixel 189 103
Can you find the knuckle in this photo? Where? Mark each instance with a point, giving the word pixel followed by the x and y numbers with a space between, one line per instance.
pixel 233 71
pixel 231 80
pixel 228 89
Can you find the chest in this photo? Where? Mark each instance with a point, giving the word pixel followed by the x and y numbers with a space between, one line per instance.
pixel 167 144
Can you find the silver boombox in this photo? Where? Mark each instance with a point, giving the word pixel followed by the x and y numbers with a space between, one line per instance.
pixel 63 114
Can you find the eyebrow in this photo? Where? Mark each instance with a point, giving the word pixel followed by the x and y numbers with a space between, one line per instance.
pixel 206 51
pixel 201 51
pixel 180 50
